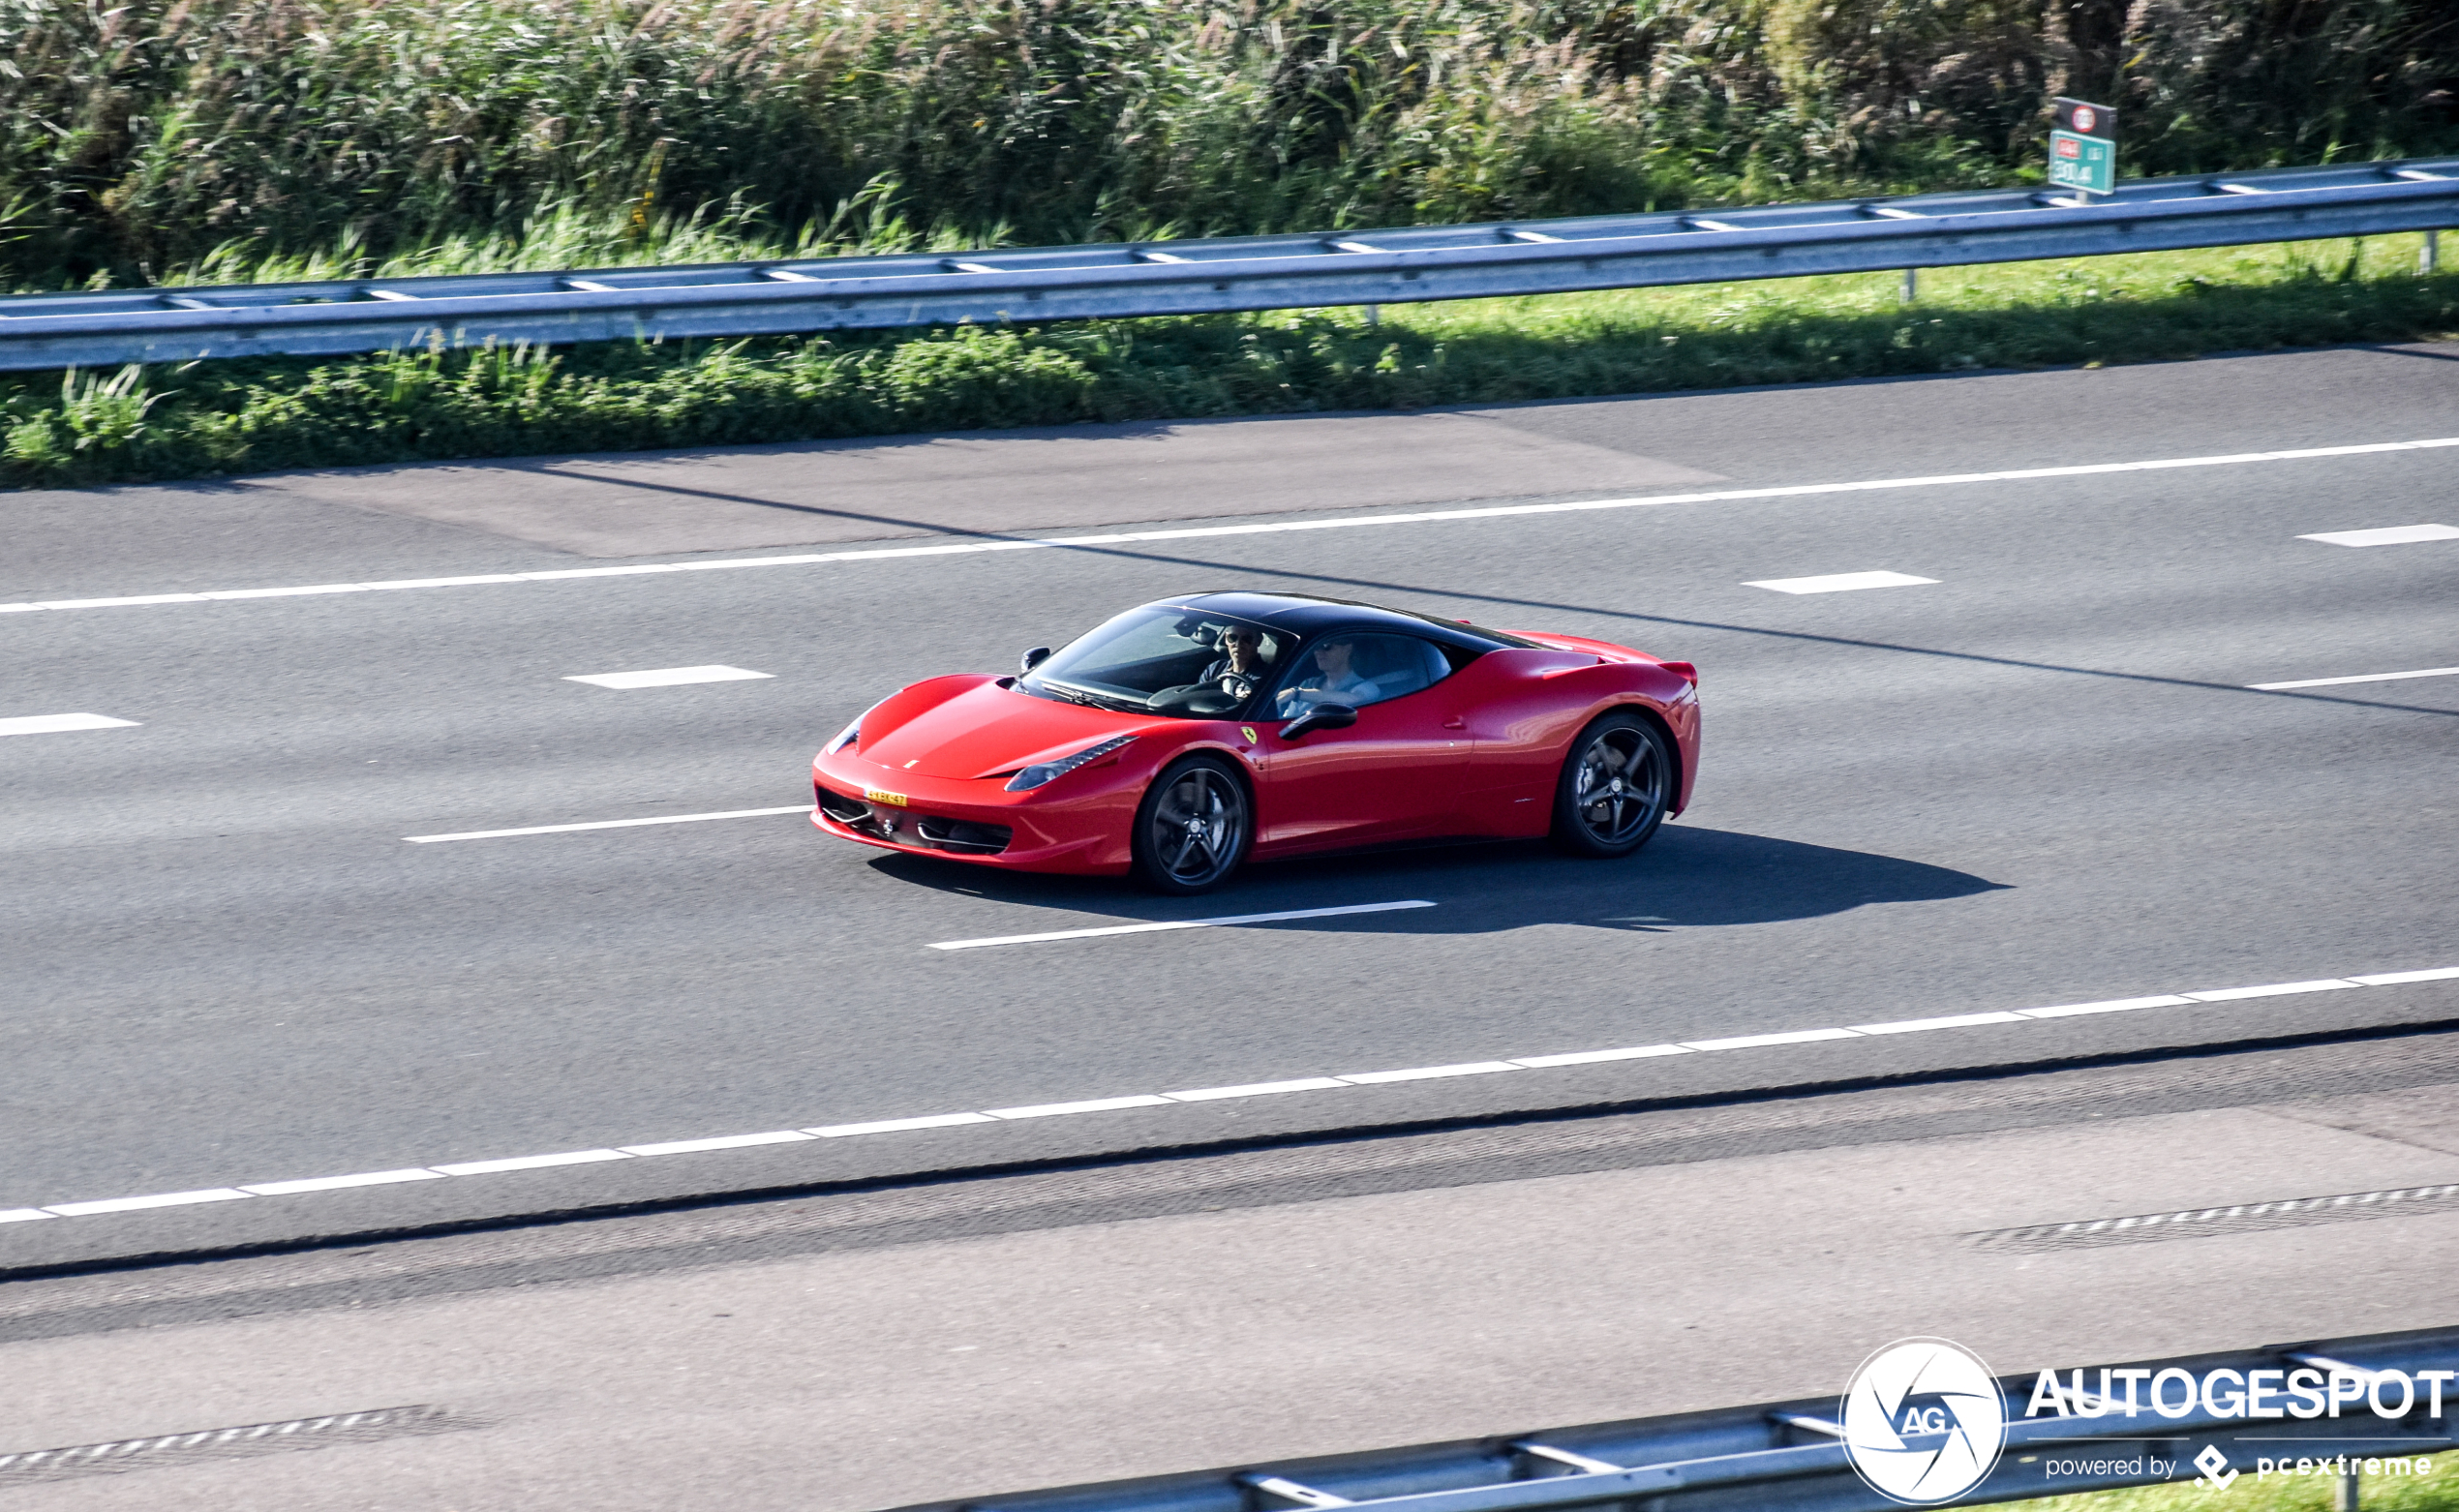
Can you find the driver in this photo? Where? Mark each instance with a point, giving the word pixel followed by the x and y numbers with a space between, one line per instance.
pixel 1335 681
pixel 1243 645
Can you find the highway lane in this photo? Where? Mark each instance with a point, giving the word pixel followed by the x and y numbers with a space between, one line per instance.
pixel 993 1335
pixel 430 520
pixel 2039 780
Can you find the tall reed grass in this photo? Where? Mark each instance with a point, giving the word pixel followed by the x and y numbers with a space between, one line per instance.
pixel 158 140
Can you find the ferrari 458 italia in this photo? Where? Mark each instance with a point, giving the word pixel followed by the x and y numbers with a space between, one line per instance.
pixel 1183 738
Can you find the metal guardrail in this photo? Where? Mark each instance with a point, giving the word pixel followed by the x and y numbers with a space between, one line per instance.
pixel 1781 1458
pixel 1405 265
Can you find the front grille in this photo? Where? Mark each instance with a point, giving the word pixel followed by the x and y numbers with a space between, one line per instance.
pixel 839 807
pixel 903 826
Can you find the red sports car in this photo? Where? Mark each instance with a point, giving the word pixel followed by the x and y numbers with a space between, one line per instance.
pixel 1179 739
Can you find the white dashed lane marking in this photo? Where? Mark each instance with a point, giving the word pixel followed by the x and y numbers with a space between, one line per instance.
pixel 669 676
pixel 2370 677
pixel 1144 1099
pixel 1270 528
pixel 1841 582
pixel 2390 536
pixel 61 724
pixel 607 824
pixel 1225 922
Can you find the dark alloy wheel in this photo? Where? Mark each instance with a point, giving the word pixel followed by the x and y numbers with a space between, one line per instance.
pixel 1194 826
pixel 1616 786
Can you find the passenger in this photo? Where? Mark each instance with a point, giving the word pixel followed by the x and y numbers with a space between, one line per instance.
pixel 1334 681
pixel 1245 660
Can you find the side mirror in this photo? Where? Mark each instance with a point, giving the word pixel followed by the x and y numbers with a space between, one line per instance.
pixel 1033 658
pixel 1322 717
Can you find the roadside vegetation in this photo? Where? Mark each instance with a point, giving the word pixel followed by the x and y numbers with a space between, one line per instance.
pixel 149 140
pixel 209 418
pixel 169 142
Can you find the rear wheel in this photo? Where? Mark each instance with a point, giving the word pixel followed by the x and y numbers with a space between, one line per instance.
pixel 1616 786
pixel 1194 826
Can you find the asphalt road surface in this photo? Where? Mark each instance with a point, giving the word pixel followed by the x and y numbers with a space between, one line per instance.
pixel 2041 778
pixel 853 1351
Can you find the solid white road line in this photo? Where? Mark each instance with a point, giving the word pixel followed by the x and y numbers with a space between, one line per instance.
pixel 608 824
pixel 1367 1078
pixel 61 724
pixel 1062 1109
pixel 1375 1078
pixel 669 676
pixel 725 1142
pixel 900 1125
pixel 1257 1089
pixel 1839 582
pixel 529 1163
pixel 1752 1042
pixel 1594 1057
pixel 1951 1021
pixel 2390 536
pixel 2276 989
pixel 373 1178
pixel 1221 922
pixel 135 1205
pixel 2122 1005
pixel 2371 676
pixel 1273 527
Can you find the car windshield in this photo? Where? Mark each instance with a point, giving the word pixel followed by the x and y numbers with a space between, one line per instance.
pixel 1161 659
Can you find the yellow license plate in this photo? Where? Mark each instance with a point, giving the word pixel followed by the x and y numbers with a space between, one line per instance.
pixel 875 796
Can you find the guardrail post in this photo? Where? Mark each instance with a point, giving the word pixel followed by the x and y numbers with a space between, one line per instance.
pixel 1912 284
pixel 2430 258
pixel 2343 1493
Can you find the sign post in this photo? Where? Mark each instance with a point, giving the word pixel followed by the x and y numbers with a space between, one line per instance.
pixel 2084 147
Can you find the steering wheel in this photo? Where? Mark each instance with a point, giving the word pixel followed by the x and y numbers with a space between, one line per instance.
pixel 1207 700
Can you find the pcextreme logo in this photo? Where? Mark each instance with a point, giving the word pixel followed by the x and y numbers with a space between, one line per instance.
pixel 1924 1421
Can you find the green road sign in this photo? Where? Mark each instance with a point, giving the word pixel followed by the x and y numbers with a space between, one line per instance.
pixel 2083 146
pixel 2086 163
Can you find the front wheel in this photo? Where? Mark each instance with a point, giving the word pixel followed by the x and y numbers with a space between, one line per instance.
pixel 1616 785
pixel 1194 826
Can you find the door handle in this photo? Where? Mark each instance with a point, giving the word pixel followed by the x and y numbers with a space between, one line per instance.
pixel 1455 722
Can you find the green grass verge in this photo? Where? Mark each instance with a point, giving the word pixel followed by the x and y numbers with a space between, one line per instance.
pixel 2436 1491
pixel 204 419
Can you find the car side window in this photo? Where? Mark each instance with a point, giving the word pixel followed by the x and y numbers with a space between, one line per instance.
pixel 1358 670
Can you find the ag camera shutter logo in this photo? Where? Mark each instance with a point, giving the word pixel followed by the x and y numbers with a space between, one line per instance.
pixel 1924 1421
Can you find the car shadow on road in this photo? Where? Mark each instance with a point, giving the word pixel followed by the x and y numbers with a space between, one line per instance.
pixel 1687 877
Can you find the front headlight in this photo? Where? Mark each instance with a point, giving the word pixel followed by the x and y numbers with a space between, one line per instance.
pixel 1035 776
pixel 851 733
